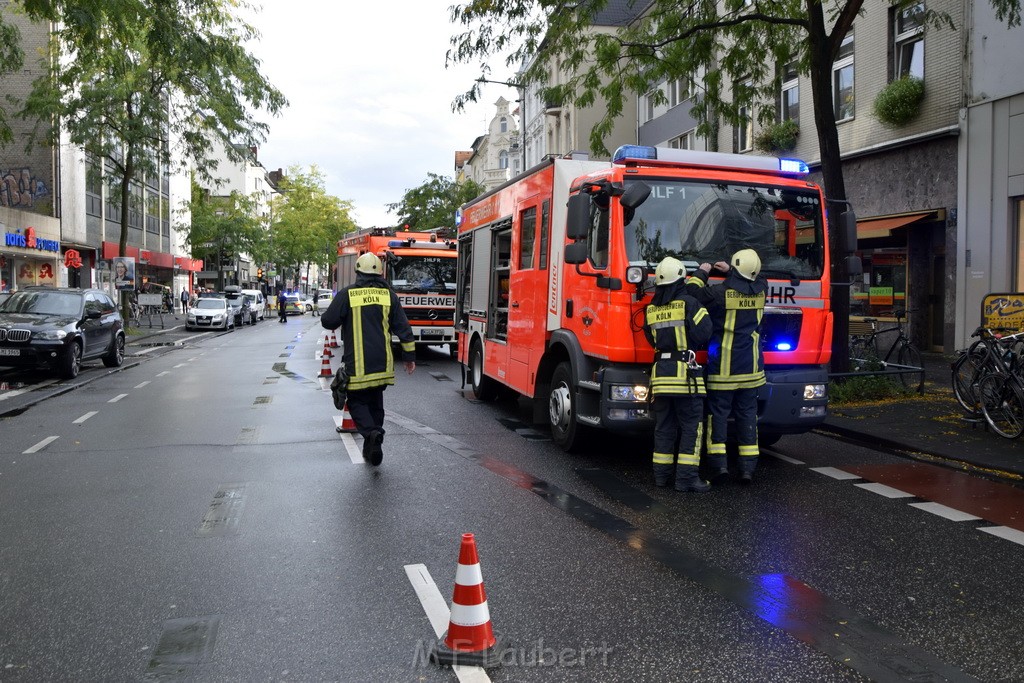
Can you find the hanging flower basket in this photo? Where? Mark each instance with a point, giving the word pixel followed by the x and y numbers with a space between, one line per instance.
pixel 777 138
pixel 899 103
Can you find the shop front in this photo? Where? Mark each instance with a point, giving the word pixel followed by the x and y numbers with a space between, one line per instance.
pixel 30 254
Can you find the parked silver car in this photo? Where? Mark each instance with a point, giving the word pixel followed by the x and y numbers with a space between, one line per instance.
pixel 210 313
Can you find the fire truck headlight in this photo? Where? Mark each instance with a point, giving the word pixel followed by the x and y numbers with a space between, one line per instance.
pixel 634 275
pixel 629 392
pixel 813 391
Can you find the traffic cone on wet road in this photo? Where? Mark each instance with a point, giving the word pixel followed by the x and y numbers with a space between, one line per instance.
pixel 470 639
pixel 348 425
pixel 327 349
pixel 334 340
pixel 325 367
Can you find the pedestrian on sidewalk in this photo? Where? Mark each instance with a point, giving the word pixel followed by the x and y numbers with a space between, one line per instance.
pixel 184 299
pixel 676 325
pixel 316 297
pixel 282 302
pixel 735 363
pixel 368 313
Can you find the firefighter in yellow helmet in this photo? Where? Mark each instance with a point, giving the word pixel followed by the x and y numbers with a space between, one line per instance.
pixel 735 364
pixel 676 326
pixel 368 313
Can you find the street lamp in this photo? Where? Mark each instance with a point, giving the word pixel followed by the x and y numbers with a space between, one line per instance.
pixel 522 101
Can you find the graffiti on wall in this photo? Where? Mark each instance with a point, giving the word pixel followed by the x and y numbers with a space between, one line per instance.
pixel 19 189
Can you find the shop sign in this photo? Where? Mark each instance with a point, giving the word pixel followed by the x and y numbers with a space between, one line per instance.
pixel 1003 310
pixel 72 259
pixel 28 240
pixel 880 296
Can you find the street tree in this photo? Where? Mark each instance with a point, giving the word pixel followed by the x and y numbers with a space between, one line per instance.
pixel 307 222
pixel 222 226
pixel 433 204
pixel 151 85
pixel 729 50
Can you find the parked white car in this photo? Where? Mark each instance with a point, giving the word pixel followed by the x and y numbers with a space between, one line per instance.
pixel 324 298
pixel 261 302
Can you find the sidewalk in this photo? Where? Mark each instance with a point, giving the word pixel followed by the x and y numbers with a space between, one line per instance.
pixel 933 425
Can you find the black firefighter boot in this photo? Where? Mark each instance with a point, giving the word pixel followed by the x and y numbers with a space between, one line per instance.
pixel 747 466
pixel 688 480
pixel 663 475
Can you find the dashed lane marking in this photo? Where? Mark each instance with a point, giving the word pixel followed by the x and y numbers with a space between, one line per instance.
pixel 141 384
pixel 883 490
pixel 85 417
pixel 835 473
pixel 438 614
pixel 1007 533
pixel 118 397
pixel 41 445
pixel 783 458
pixel 945 512
pixel 165 372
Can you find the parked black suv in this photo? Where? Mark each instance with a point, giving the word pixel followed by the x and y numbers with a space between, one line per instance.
pixel 59 328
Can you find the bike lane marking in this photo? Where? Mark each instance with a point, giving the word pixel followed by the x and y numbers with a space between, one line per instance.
pixel 117 398
pixel 41 445
pixel 85 417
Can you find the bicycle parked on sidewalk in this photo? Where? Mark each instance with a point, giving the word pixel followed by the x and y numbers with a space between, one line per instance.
pixel 988 379
pixel 902 356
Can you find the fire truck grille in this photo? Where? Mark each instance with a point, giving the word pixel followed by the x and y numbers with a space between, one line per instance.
pixel 430 314
pixel 15 335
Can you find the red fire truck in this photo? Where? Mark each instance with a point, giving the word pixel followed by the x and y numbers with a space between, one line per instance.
pixel 421 269
pixel 556 268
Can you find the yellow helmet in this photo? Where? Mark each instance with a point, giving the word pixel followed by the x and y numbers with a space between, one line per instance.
pixel 369 263
pixel 668 271
pixel 747 263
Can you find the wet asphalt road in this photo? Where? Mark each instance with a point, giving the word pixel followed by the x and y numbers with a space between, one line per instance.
pixel 195 516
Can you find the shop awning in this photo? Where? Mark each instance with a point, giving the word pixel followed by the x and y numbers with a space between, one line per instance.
pixel 873 228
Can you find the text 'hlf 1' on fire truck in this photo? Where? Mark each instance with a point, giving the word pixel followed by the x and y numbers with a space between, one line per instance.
pixel 420 266
pixel 556 268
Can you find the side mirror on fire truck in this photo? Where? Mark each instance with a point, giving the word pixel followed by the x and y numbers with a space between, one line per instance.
pixel 635 195
pixel 576 253
pixel 848 232
pixel 577 222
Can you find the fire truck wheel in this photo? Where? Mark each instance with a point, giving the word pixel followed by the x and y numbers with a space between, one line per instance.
pixel 565 430
pixel 484 388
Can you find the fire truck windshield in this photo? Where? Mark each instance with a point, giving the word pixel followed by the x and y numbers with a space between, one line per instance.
pixel 421 274
pixel 705 222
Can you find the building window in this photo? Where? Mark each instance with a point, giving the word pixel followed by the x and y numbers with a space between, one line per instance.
pixel 789 97
pixel 503 159
pixel 908 44
pixel 687 140
pixel 678 91
pixel 503 125
pixel 743 133
pixel 842 80
pixel 647 106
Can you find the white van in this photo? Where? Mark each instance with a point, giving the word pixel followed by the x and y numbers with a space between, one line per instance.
pixel 261 302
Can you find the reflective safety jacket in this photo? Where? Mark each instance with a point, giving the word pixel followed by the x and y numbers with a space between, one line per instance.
pixel 736 307
pixel 368 313
pixel 675 324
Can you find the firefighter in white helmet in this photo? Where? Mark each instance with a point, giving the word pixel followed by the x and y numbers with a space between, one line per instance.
pixel 735 363
pixel 368 313
pixel 676 325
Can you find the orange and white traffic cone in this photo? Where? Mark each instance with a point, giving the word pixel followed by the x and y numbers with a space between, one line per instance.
pixel 334 340
pixel 325 367
pixel 470 639
pixel 348 425
pixel 327 348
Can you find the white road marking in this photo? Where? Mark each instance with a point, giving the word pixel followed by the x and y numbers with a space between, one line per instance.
pixel 143 352
pixel 1005 532
pixel 883 490
pixel 941 510
pixel 784 458
pixel 165 372
pixel 179 365
pixel 834 473
pixel 117 398
pixel 355 450
pixel 438 614
pixel 142 384
pixel 42 444
pixel 84 417
pixel 18 392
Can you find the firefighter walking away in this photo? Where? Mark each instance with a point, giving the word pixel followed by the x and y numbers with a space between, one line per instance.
pixel 735 363
pixel 368 313
pixel 676 325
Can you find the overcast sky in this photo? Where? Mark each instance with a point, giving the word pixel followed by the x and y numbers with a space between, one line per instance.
pixel 370 98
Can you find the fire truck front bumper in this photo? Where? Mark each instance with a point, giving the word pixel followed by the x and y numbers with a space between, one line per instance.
pixel 624 404
pixel 793 401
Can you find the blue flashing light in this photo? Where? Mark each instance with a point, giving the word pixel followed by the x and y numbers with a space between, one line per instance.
pixel 458 217
pixel 783 346
pixel 396 243
pixel 626 152
pixel 794 166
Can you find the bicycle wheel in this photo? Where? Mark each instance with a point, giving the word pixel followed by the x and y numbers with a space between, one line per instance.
pixel 862 353
pixel 966 371
pixel 1002 403
pixel 910 357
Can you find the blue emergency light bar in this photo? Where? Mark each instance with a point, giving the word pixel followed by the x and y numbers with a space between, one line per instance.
pixel 747 162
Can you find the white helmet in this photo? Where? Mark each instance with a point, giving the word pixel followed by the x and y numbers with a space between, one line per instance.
pixel 668 271
pixel 369 263
pixel 747 263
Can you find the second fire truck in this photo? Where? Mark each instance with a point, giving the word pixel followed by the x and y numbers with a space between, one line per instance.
pixel 420 266
pixel 556 266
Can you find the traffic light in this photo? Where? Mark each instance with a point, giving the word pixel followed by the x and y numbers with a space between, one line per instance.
pixel 259 273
